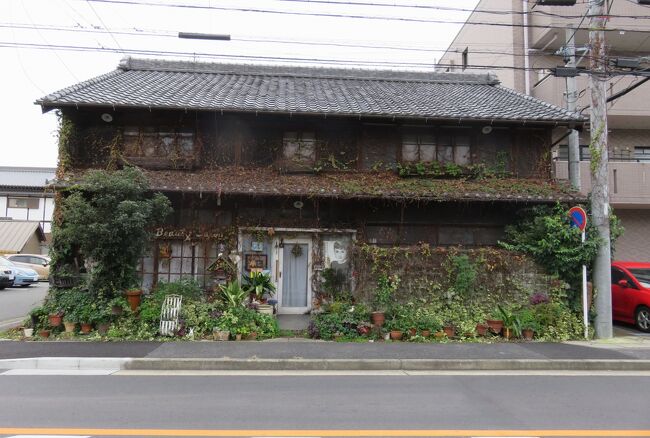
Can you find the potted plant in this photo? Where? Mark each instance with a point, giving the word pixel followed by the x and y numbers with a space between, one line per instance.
pixel 260 286
pixel 55 318
pixel 117 306
pixel 28 329
pixel 511 323
pixel 395 328
pixel 449 329
pixel 495 323
pixel 220 334
pixel 70 321
pixel 386 286
pixel 482 329
pixel 528 324
pixel 85 315
pixel 102 318
pixel 427 323
pixel 134 297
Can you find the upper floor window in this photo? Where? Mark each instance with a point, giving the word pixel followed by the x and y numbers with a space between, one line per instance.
pixel 445 147
pixel 31 203
pixel 299 147
pixel 563 152
pixel 642 153
pixel 158 142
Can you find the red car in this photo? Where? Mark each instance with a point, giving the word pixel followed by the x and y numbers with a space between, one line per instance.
pixel 631 293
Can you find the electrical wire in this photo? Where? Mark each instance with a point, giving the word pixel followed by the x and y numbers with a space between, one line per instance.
pixel 103 24
pixel 52 28
pixel 248 57
pixel 333 15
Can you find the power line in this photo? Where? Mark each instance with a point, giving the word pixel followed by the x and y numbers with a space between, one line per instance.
pixel 249 57
pixel 103 24
pixel 448 8
pixel 53 28
pixel 29 17
pixel 333 15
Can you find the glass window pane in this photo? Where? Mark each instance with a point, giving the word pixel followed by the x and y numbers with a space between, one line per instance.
pixel 427 152
pixel 461 155
pixel 445 154
pixel 409 152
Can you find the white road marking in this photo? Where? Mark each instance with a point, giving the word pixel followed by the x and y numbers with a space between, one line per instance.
pixel 388 373
pixel 53 372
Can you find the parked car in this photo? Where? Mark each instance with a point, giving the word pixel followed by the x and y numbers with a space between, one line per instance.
pixel 6 279
pixel 37 262
pixel 21 276
pixel 631 293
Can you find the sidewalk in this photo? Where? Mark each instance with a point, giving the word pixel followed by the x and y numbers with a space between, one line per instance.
pixel 619 354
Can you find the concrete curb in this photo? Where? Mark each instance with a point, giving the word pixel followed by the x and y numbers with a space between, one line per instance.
pixel 229 364
pixel 387 364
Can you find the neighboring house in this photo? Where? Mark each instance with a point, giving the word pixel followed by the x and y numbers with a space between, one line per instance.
pixel 24 195
pixel 284 168
pixel 21 237
pixel 511 49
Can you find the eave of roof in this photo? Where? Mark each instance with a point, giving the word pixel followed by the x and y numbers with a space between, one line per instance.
pixel 235 181
pixel 308 91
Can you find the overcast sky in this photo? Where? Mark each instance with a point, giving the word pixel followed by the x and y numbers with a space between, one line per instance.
pixel 29 137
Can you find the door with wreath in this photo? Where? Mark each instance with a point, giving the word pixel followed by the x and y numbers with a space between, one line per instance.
pixel 294 276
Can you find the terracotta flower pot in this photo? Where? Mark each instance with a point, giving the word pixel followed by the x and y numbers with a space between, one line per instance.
pixel 495 325
pixel 102 329
pixel 426 333
pixel 439 334
pixel 396 335
pixel 54 319
pixel 86 328
pixel 449 330
pixel 528 334
pixel 238 337
pixel 482 329
pixel 377 318
pixel 508 333
pixel 69 326
pixel 252 336
pixel 220 335
pixel 134 297
pixel 44 333
pixel 413 332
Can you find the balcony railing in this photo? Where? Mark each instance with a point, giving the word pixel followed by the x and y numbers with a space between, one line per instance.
pixel 629 181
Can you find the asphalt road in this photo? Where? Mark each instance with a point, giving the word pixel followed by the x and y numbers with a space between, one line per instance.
pixel 306 403
pixel 16 302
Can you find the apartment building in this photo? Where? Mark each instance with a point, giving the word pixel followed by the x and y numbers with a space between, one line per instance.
pixel 522 47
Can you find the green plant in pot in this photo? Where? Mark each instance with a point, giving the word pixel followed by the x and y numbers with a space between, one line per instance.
pixel 233 294
pixel 260 286
pixel 383 299
pixel 528 322
pixel 511 322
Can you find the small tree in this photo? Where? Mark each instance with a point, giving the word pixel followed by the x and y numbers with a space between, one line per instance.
pixel 544 233
pixel 105 220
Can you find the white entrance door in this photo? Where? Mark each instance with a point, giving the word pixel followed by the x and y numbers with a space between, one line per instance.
pixel 294 282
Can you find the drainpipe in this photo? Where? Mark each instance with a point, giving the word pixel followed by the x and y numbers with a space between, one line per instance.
pixel 526 57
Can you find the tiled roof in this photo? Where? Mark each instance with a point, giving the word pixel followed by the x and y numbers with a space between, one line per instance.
pixel 355 185
pixel 34 178
pixel 140 83
pixel 15 234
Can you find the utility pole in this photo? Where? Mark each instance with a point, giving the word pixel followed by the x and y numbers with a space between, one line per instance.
pixel 599 166
pixel 571 99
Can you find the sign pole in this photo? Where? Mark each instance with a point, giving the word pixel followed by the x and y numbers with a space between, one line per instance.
pixel 578 219
pixel 585 308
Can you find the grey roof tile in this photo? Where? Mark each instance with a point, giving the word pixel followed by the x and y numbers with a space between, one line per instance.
pixel 309 90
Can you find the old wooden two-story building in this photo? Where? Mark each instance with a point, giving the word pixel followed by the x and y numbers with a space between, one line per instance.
pixel 282 168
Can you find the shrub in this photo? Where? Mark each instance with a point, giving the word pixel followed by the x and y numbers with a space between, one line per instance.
pixel 105 218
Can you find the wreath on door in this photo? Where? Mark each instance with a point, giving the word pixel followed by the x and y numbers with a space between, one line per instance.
pixel 296 250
